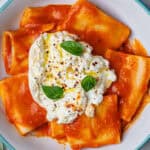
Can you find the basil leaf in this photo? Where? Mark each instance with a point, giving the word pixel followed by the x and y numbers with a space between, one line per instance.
pixel 88 83
pixel 72 47
pixel 53 92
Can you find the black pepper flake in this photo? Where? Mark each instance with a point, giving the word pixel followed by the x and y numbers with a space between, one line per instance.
pixel 47 52
pixel 76 83
pixel 54 44
pixel 76 69
pixel 62 63
pixel 93 64
pixel 59 74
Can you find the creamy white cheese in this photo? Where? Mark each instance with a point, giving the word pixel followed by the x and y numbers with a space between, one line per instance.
pixel 49 64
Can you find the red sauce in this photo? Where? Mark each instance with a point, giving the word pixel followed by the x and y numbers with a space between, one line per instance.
pixel 7 50
pixel 134 47
pixel 44 130
pixel 144 103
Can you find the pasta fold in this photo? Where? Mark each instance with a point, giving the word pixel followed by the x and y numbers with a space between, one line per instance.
pixel 21 109
pixel 132 80
pixel 95 27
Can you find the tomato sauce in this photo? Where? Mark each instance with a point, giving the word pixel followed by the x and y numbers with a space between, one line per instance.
pixel 134 47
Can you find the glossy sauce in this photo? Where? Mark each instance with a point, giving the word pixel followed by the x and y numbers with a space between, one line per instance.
pixel 42 131
pixel 134 47
pixel 37 15
pixel 144 103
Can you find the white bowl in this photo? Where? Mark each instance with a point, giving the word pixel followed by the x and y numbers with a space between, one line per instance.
pixel 131 13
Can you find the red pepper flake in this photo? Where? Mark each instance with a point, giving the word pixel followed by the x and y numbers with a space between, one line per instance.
pixel 78 96
pixel 69 105
pixel 64 85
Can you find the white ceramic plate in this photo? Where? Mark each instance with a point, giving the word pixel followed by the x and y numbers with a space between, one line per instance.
pixel 128 11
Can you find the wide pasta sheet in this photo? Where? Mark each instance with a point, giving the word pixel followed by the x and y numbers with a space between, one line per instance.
pixel 21 109
pixel 95 26
pixel 16 45
pixel 100 130
pixel 44 15
pixel 132 80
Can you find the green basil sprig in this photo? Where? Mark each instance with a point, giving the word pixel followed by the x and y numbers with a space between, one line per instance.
pixel 88 83
pixel 72 47
pixel 53 92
